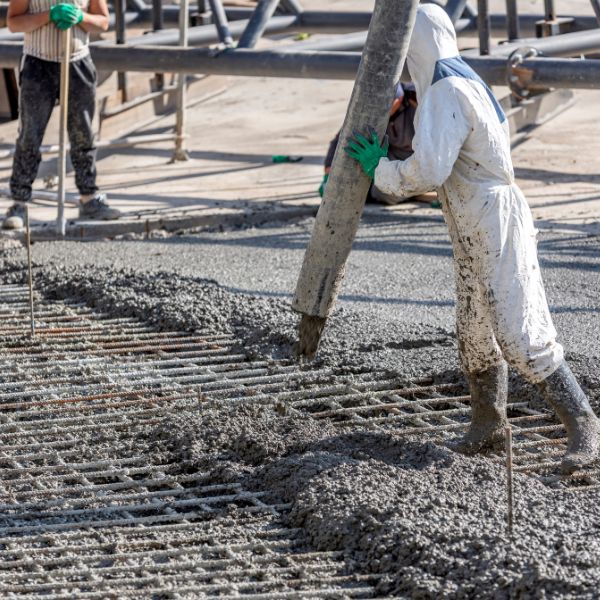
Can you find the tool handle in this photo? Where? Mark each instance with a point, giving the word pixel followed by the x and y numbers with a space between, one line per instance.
pixel 61 223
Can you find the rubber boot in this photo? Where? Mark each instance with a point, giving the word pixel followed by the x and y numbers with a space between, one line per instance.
pixel 563 393
pixel 489 392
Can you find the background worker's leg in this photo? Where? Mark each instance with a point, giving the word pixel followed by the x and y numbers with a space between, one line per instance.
pixel 82 104
pixel 39 80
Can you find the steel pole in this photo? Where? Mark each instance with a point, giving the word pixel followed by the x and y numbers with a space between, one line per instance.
pixel 61 222
pixel 540 72
pixel 158 22
pixel 292 6
pixel 220 17
pixel 549 10
pixel 512 20
pixel 483 25
pixel 264 10
pixel 157 25
pixel 565 44
pixel 205 35
pixel 120 38
pixel 180 153
pixel 338 217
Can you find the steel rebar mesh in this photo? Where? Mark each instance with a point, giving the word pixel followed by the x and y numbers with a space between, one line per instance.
pixel 85 514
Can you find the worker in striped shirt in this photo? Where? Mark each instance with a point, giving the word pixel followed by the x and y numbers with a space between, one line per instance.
pixel 42 22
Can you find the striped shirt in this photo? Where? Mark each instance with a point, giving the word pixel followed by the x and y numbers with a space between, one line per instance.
pixel 45 42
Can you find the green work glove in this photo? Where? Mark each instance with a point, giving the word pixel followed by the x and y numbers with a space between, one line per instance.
pixel 323 184
pixel 65 15
pixel 367 152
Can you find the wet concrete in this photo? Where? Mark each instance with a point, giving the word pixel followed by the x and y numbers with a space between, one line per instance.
pixel 431 522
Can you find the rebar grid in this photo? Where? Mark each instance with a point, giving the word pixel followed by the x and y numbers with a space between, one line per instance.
pixel 83 516
pixel 99 522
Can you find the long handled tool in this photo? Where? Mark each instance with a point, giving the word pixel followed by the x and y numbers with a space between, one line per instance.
pixel 337 220
pixel 61 222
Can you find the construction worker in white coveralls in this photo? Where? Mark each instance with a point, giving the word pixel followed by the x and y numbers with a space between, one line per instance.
pixel 462 148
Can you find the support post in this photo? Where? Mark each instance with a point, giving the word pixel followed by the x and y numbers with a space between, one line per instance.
pixel 549 10
pixel 264 10
pixel 483 25
pixel 220 17
pixel 180 153
pixel 121 38
pixel 157 15
pixel 61 222
pixel 512 20
pixel 157 25
pixel 338 217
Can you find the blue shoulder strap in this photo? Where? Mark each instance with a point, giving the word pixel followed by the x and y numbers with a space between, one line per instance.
pixel 457 67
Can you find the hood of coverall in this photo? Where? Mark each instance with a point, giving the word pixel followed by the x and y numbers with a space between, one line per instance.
pixel 433 38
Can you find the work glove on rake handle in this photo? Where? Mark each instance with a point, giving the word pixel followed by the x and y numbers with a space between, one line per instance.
pixel 367 151
pixel 65 16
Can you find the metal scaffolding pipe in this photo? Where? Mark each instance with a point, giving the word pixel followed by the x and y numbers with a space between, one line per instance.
pixel 596 7
pixel 328 21
pixel 180 153
pixel 292 6
pixel 157 15
pixel 566 44
pixel 205 35
pixel 512 20
pixel 121 38
pixel 336 22
pixel 483 26
pixel 221 23
pixel 264 10
pixel 343 42
pixel 549 10
pixel 541 72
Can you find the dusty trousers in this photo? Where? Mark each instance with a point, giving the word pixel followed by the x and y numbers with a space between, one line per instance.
pixel 39 91
pixel 501 309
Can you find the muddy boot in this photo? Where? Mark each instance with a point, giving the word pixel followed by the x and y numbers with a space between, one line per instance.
pixel 563 393
pixel 489 391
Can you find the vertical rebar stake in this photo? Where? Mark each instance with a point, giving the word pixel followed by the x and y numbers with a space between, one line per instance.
pixel 509 478
pixel 29 268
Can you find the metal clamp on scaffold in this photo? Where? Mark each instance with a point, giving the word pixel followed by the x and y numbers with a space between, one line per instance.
pixel 517 77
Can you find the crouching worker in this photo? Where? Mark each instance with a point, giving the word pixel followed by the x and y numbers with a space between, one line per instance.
pixel 42 22
pixel 400 132
pixel 462 148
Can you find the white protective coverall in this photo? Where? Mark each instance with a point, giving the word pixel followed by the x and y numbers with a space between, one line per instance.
pixel 462 148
